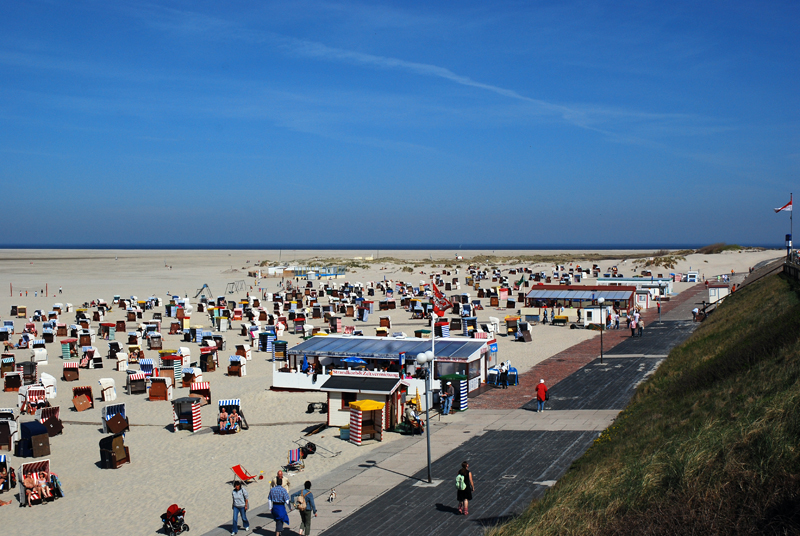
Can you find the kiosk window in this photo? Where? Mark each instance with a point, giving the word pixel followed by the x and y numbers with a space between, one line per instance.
pixel 347 398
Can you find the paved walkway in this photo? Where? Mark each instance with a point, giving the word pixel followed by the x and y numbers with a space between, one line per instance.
pixel 514 453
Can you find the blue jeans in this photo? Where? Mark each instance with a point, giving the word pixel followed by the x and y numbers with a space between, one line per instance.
pixel 540 405
pixel 448 403
pixel 236 511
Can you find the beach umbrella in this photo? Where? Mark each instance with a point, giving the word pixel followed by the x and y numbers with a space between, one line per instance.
pixel 354 360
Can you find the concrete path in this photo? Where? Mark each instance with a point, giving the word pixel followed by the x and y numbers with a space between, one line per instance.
pixel 515 453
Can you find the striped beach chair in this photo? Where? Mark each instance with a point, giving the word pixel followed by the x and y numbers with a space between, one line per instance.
pixel 137 383
pixel 147 367
pixel 203 389
pixel 50 417
pixel 71 371
pixel 112 410
pixel 229 405
pixel 295 460
pixel 40 473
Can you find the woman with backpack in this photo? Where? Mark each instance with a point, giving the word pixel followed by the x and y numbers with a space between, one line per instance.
pixel 464 488
pixel 303 501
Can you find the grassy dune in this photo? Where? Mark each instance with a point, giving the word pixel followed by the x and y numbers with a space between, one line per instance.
pixel 709 445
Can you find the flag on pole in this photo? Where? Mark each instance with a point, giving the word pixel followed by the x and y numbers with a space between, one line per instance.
pixel 440 303
pixel 787 207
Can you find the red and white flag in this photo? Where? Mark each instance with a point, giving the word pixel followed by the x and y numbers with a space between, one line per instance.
pixel 787 206
pixel 440 303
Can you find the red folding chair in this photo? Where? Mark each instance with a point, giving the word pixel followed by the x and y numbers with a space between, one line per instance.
pixel 242 474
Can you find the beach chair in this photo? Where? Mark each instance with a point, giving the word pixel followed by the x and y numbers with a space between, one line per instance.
pixel 147 367
pixel 202 390
pixel 186 414
pixel 7 364
pixel 29 371
pixel 50 417
pixel 295 461
pixel 40 473
pixel 137 383
pixel 34 441
pixel 122 362
pixel 115 418
pixel 50 385
pixel 191 375
pixel 160 389
pixel 243 475
pixel 6 485
pixel 12 381
pixel 113 452
pixel 229 405
pixel 237 366
pixel 82 398
pixel 9 428
pixel 108 389
pixel 31 397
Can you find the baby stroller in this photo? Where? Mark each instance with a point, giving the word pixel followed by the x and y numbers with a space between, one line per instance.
pixel 173 520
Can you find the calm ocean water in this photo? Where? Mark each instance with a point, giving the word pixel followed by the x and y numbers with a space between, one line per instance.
pixel 368 247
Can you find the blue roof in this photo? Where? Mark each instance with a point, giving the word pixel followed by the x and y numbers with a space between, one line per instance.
pixel 385 348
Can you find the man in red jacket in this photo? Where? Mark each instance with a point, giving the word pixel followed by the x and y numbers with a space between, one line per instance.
pixel 541 396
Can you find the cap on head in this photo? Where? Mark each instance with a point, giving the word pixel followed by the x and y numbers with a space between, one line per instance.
pixel 541 381
pixel 448 383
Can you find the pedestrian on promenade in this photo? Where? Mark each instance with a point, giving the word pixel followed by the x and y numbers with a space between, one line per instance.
pixel 241 503
pixel 695 311
pixel 279 499
pixel 640 327
pixel 449 394
pixel 541 396
pixel 280 480
pixel 464 488
pixel 306 507
pixel 616 320
pixel 503 376
pixel 59 290
pixel 633 328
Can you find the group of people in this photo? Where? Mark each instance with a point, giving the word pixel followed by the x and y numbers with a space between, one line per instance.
pixel 636 324
pixel 229 421
pixel 280 502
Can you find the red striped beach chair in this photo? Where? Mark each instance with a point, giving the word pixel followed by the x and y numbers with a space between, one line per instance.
pixel 31 398
pixel 50 417
pixel 295 460
pixel 203 389
pixel 78 400
pixel 137 383
pixel 71 371
pixel 39 472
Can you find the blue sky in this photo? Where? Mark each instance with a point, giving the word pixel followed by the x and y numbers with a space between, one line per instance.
pixel 397 123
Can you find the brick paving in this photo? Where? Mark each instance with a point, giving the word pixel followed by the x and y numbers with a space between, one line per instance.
pixel 556 368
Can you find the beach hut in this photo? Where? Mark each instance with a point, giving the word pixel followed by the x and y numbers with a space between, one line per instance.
pixel 186 414
pixel 108 389
pixel 50 417
pixel 115 418
pixel 202 390
pixel 237 366
pixel 136 383
pixel 9 428
pixel 82 398
pixel 191 375
pixel 33 440
pixel 113 452
pixel 160 388
pixel 366 419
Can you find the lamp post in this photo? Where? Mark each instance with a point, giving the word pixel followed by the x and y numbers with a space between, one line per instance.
pixel 426 359
pixel 600 302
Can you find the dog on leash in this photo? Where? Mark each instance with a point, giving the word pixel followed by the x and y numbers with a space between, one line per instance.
pixel 332 496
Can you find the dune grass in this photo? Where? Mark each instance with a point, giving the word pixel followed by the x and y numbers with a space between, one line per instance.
pixel 709 445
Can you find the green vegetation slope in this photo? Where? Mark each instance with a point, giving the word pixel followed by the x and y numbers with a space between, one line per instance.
pixel 709 445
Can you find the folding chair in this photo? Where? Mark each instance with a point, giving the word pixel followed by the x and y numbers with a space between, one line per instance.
pixel 295 460
pixel 242 474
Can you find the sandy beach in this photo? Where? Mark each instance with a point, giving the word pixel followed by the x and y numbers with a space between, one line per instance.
pixel 193 470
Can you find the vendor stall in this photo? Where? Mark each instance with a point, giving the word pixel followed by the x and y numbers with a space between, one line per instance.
pixel 366 420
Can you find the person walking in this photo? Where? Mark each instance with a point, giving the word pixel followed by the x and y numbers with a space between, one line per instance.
pixel 279 498
pixel 280 480
pixel 616 320
pixel 449 395
pixel 640 327
pixel 241 503
pixel 541 396
pixel 633 328
pixel 464 488
pixel 306 507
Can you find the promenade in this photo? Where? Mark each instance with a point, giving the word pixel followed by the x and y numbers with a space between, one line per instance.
pixel 515 454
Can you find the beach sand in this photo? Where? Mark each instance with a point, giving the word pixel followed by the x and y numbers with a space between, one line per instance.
pixel 193 470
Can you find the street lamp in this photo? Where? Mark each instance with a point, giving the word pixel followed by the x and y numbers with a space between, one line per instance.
pixel 426 359
pixel 600 302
